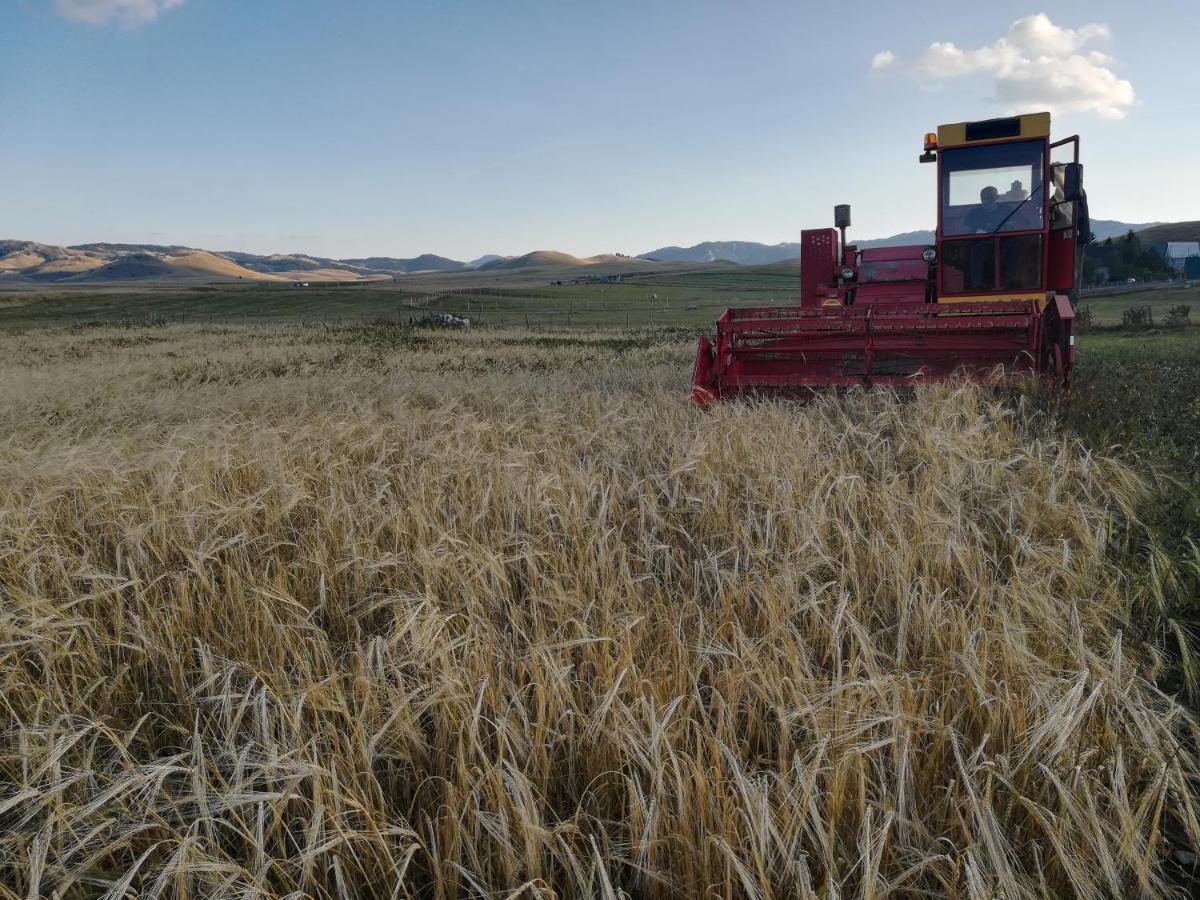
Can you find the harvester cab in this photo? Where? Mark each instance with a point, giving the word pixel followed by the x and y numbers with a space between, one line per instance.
pixel 992 297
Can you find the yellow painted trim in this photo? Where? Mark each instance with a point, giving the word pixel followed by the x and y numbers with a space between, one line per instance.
pixel 992 298
pixel 1032 125
pixel 1035 125
pixel 949 135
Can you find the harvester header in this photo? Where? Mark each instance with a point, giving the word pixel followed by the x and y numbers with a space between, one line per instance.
pixel 993 296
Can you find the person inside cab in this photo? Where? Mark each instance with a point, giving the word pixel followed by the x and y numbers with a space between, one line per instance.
pixel 985 218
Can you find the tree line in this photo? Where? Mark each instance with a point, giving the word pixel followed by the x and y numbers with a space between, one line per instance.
pixel 1124 258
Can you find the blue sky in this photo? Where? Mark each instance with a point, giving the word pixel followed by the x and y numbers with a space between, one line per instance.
pixel 396 128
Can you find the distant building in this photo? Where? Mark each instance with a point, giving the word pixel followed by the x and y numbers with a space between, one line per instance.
pixel 1015 192
pixel 1179 252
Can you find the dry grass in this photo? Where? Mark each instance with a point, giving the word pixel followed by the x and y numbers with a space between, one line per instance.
pixel 285 613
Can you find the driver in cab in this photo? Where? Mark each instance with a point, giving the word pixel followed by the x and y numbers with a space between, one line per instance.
pixel 985 218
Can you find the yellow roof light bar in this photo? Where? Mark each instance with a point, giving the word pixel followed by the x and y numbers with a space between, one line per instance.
pixel 1031 125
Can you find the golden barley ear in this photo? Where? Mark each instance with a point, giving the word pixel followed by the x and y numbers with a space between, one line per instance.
pixel 338 612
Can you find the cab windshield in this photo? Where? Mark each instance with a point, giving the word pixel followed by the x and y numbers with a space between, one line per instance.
pixel 993 188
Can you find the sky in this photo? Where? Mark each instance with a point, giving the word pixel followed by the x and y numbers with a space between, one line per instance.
pixel 400 127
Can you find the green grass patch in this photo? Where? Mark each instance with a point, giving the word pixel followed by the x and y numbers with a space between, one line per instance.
pixel 1109 309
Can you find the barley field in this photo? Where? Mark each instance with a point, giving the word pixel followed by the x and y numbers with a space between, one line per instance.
pixel 378 612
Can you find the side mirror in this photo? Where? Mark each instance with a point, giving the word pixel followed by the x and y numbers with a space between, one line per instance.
pixel 1072 181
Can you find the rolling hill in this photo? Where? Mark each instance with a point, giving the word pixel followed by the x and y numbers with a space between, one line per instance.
pixel 601 264
pixel 129 267
pixel 204 263
pixel 290 263
pixel 1171 231
pixel 30 262
pixel 20 257
pixel 198 265
pixel 536 259
pixel 426 262
pixel 743 253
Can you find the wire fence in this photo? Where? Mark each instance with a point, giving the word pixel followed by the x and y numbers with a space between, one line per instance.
pixel 490 308
pixel 426 309
pixel 1118 289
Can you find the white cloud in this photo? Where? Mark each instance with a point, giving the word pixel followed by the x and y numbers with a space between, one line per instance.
pixel 1036 65
pixel 882 60
pixel 129 13
pixel 1038 34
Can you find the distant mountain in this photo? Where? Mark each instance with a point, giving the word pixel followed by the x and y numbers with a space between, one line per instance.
pixel 1102 228
pixel 903 239
pixel 751 253
pixel 130 266
pixel 1106 228
pixel 484 260
pixel 32 262
pixel 198 264
pixel 426 262
pixel 743 253
pixel 606 263
pixel 1170 231
pixel 299 263
pixel 29 260
pixel 280 263
pixel 536 259
pixel 112 249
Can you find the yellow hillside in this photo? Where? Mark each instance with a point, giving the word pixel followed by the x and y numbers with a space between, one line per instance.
pixel 201 262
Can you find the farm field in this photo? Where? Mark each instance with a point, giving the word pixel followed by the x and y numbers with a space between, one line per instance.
pixel 671 299
pixel 684 298
pixel 1107 308
pixel 309 609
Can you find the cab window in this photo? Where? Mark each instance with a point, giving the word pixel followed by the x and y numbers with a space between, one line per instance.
pixel 991 189
pixel 989 264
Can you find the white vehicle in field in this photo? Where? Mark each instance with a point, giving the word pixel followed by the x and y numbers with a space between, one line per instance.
pixel 449 320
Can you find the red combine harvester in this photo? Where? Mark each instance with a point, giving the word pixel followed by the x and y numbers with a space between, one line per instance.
pixel 994 295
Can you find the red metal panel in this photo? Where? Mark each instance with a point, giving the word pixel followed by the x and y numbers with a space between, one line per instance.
pixel 890 292
pixel 818 264
pixel 702 374
pixel 1060 275
pixel 1062 318
pixel 883 254
pixel 873 270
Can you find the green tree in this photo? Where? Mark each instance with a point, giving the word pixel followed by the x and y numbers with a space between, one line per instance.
pixel 1127 257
